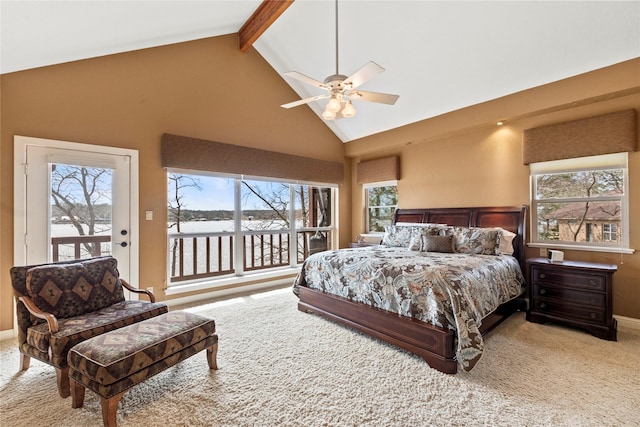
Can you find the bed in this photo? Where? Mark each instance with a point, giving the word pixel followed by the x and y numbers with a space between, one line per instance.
pixel 435 303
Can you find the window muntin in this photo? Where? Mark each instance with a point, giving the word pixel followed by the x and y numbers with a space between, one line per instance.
pixel 574 202
pixel 381 203
pixel 234 225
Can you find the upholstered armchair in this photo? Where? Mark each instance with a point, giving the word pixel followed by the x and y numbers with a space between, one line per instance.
pixel 58 305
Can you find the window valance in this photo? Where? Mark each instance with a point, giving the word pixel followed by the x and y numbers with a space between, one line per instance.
pixel 183 152
pixel 604 134
pixel 379 170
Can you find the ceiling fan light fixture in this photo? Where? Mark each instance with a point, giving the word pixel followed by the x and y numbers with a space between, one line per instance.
pixel 341 88
pixel 349 110
pixel 328 114
pixel 333 104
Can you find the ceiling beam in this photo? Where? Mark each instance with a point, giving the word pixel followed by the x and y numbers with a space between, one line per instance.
pixel 265 15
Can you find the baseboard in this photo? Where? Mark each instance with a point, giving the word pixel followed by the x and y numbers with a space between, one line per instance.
pixel 6 335
pixel 627 322
pixel 230 291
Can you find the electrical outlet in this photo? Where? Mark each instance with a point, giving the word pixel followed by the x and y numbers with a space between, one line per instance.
pixel 543 252
pixel 150 290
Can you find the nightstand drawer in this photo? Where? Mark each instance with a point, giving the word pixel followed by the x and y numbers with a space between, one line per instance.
pixel 569 311
pixel 569 295
pixel 587 281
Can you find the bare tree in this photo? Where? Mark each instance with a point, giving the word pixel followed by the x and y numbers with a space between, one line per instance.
pixel 177 185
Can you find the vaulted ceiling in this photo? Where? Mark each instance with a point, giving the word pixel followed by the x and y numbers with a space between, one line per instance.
pixel 439 56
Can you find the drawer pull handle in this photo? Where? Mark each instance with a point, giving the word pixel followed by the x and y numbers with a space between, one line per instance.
pixel 592 315
pixel 542 275
pixel 543 291
pixel 592 282
pixel 543 306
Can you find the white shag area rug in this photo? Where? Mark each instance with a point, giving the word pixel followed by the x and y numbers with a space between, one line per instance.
pixel 282 367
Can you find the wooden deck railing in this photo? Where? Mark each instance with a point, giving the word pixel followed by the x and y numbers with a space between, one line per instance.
pixel 80 246
pixel 195 256
pixel 201 255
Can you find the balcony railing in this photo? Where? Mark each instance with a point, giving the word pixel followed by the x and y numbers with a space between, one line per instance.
pixel 77 247
pixel 194 256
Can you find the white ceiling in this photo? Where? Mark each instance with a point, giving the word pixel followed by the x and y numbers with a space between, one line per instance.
pixel 439 56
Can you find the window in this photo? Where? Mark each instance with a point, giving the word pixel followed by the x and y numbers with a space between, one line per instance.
pixel 581 203
pixel 610 233
pixel 381 202
pixel 228 226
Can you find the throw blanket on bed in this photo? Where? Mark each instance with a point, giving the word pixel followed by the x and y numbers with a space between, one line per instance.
pixel 450 290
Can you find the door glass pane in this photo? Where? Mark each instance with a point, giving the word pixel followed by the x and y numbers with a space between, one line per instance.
pixel 81 212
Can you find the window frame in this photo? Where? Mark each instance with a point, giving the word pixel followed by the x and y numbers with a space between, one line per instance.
pixel 367 209
pixel 582 164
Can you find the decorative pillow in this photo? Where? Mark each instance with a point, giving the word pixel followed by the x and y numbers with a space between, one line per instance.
pixel 416 243
pixel 436 243
pixel 68 290
pixel 506 241
pixel 397 236
pixel 473 240
pixel 401 235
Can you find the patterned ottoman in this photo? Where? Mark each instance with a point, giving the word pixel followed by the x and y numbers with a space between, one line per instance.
pixel 112 363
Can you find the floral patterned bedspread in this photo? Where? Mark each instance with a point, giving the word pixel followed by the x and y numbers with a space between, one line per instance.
pixel 451 290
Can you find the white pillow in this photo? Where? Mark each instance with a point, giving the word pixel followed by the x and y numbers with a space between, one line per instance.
pixel 506 241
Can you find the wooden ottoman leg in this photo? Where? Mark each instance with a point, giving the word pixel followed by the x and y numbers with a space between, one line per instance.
pixel 109 409
pixel 77 394
pixel 212 354
pixel 62 377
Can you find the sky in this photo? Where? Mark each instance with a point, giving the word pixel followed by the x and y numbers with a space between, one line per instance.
pixel 218 194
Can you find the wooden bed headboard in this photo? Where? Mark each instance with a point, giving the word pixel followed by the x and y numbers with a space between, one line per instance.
pixel 512 218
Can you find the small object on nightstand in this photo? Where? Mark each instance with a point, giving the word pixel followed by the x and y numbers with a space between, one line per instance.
pixel 556 256
pixel 573 293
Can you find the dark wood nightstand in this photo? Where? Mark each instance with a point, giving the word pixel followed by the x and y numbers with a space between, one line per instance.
pixel 577 294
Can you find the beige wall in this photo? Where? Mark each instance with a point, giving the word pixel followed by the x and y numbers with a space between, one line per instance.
pixel 208 89
pixel 464 159
pixel 204 89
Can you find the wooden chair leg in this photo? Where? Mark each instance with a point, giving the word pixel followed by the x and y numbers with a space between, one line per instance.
pixel 110 408
pixel 25 361
pixel 77 394
pixel 62 377
pixel 212 354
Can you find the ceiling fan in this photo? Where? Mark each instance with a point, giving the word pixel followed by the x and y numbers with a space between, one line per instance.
pixel 341 90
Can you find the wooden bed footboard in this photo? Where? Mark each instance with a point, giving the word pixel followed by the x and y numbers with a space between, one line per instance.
pixel 434 344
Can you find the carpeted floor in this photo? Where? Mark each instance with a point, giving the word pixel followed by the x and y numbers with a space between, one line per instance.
pixel 281 367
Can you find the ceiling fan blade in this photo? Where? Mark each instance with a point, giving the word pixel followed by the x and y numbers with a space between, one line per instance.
pixel 369 71
pixel 305 101
pixel 306 79
pixel 382 98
